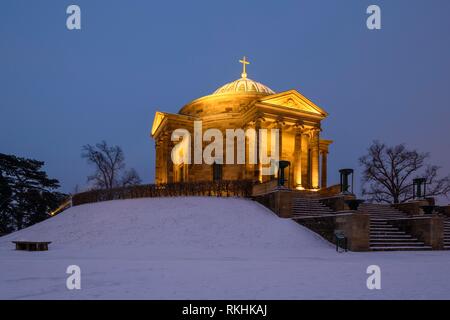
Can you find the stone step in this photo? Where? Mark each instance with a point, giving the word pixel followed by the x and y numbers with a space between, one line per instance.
pixel 311 212
pixel 312 209
pixel 381 214
pixel 386 213
pixel 315 209
pixel 392 240
pixel 395 245
pixel 391 236
pixel 298 217
pixel 387 228
pixel 387 231
pixel 400 248
pixel 381 210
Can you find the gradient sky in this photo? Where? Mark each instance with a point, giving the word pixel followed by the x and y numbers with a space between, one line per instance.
pixel 62 89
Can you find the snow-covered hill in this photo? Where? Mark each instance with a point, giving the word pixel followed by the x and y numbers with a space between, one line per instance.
pixel 180 226
pixel 202 248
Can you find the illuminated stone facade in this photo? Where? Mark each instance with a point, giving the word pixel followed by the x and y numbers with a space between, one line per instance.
pixel 244 104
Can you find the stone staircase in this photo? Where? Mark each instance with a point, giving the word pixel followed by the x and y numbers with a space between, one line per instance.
pixel 447 234
pixel 381 211
pixel 386 237
pixel 309 207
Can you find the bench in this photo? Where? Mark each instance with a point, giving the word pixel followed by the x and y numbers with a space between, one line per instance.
pixel 341 240
pixel 31 245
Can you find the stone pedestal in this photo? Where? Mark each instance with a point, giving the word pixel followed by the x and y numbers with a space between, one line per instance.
pixel 411 208
pixel 279 201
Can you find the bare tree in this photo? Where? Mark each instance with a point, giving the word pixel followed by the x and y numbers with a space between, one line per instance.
pixel 109 163
pixel 388 173
pixel 130 178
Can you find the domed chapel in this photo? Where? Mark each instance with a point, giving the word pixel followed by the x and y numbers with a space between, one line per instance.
pixel 246 104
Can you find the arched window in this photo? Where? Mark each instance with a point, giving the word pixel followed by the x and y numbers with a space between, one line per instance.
pixel 217 171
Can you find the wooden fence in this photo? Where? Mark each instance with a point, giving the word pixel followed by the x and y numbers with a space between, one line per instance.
pixel 223 188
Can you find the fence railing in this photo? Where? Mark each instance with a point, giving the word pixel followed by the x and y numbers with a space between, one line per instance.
pixel 223 188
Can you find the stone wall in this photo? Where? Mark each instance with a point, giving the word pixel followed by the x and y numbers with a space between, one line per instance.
pixel 354 225
pixel 429 229
pixel 337 203
pixel 263 188
pixel 330 191
pixel 411 208
pixel 279 201
pixel 445 210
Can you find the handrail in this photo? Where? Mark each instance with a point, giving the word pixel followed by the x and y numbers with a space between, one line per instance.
pixel 66 204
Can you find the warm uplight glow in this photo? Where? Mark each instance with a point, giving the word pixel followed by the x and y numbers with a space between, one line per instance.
pixel 298 177
pixel 159 117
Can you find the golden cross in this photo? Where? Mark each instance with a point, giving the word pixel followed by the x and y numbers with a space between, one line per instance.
pixel 244 63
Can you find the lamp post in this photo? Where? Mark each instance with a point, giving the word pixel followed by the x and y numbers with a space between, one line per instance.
pixel 282 164
pixel 345 173
pixel 419 188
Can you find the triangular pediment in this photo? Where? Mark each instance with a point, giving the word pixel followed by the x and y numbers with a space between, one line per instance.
pixel 294 100
pixel 159 117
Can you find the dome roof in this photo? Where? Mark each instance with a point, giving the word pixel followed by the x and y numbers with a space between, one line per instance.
pixel 244 85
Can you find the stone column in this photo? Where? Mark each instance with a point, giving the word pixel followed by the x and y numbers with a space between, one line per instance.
pixel 315 158
pixel 298 157
pixel 258 165
pixel 246 168
pixel 158 144
pixel 323 177
pixel 305 160
pixel 163 167
pixel 280 125
pixel 169 164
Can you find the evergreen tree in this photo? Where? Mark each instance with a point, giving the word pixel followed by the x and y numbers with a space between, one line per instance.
pixel 27 194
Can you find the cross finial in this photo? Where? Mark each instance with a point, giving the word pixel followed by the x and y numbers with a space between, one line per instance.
pixel 244 63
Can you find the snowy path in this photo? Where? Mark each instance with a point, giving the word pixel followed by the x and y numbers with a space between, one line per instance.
pixel 203 248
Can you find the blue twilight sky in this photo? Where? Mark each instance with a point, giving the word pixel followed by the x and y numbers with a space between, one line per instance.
pixel 62 89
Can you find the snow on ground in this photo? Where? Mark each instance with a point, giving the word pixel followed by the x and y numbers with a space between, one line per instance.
pixel 203 248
